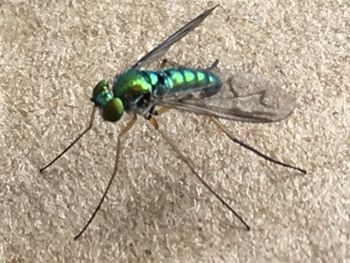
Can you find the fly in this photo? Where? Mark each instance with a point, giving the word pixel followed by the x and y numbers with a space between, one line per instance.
pixel 207 91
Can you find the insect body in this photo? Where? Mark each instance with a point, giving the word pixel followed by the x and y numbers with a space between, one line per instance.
pixel 138 90
pixel 211 92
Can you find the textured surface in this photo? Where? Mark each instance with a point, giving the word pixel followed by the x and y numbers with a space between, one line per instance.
pixel 51 55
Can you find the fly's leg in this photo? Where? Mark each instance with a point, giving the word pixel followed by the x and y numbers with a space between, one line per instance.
pixel 190 165
pixel 168 63
pixel 250 148
pixel 114 173
pixel 214 65
pixel 77 139
pixel 160 111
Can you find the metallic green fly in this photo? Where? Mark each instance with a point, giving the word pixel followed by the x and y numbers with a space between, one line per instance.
pixel 208 91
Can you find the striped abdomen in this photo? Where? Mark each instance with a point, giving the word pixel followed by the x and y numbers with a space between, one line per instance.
pixel 174 80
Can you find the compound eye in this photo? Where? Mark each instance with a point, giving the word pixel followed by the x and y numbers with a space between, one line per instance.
pixel 113 111
pixel 100 87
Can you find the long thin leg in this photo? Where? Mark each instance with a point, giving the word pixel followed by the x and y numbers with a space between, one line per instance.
pixel 235 140
pixel 77 139
pixel 114 173
pixel 190 165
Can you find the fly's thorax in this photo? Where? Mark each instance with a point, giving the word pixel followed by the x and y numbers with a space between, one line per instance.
pixel 112 107
pixel 132 87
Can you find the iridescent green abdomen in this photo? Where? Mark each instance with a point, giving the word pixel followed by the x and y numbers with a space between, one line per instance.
pixel 184 79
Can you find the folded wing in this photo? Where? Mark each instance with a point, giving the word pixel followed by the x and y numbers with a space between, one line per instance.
pixel 243 97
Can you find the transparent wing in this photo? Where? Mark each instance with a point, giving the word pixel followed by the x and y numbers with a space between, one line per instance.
pixel 162 48
pixel 243 97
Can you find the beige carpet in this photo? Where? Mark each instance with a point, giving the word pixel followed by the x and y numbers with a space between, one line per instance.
pixel 51 56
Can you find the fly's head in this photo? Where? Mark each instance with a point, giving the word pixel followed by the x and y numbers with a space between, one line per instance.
pixel 112 108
